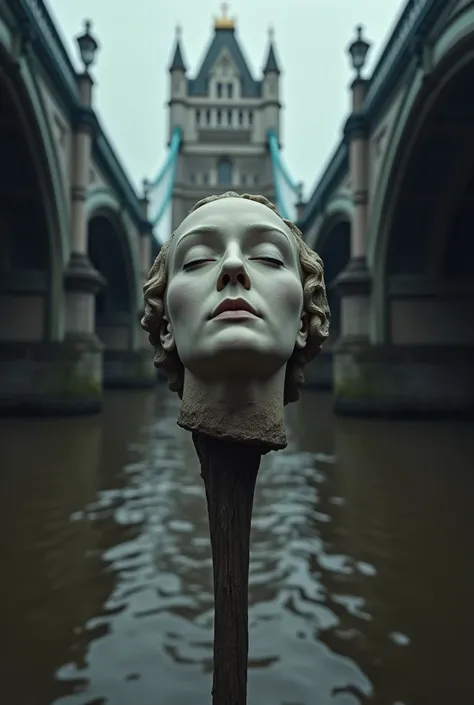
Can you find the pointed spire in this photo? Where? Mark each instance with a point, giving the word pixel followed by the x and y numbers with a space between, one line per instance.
pixel 271 65
pixel 177 63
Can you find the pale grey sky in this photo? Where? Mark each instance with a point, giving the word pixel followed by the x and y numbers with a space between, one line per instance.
pixel 137 38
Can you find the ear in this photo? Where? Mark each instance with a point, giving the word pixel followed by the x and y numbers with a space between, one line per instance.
pixel 303 331
pixel 166 335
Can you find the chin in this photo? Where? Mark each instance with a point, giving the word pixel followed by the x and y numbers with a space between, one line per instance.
pixel 239 359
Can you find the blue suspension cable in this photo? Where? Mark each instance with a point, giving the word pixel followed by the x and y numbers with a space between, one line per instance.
pixel 280 175
pixel 166 178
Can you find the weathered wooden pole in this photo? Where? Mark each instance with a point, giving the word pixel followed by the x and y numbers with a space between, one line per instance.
pixel 229 471
pixel 235 307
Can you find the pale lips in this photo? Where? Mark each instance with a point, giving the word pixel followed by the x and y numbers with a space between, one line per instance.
pixel 234 310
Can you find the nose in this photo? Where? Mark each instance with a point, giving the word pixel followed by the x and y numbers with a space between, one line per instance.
pixel 233 271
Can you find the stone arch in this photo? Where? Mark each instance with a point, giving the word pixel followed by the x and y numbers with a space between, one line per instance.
pixel 113 251
pixel 334 248
pixel 339 208
pixel 33 211
pixel 427 162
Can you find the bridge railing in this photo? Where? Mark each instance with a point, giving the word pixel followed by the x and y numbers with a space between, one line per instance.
pixel 334 172
pixel 398 50
pixel 39 17
pixel 395 57
pixel 63 72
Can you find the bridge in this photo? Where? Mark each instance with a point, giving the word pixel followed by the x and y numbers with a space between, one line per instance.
pixel 392 216
pixel 389 216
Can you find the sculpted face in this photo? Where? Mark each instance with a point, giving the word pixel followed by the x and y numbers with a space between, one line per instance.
pixel 234 299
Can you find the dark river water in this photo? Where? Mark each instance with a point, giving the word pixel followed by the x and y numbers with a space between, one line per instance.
pixel 362 566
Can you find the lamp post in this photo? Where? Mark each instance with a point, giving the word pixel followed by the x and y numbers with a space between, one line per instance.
pixel 88 45
pixel 146 234
pixel 353 283
pixel 82 281
pixel 358 50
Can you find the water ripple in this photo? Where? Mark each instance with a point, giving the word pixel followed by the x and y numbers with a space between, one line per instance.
pixel 345 572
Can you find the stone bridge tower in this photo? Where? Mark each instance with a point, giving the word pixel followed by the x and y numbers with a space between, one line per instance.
pixel 224 114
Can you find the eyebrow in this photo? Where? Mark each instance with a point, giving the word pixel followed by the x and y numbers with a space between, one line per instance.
pixel 214 229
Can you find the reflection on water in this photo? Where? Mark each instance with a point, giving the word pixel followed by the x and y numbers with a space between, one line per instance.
pixel 362 568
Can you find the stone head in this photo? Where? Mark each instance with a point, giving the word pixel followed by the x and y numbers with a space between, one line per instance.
pixel 236 292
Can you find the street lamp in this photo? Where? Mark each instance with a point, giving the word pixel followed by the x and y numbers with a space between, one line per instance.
pixel 358 50
pixel 87 46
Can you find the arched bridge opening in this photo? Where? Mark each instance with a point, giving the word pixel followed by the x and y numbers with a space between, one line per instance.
pixel 26 257
pixel 114 304
pixel 428 287
pixel 335 250
pixel 333 246
pixel 428 269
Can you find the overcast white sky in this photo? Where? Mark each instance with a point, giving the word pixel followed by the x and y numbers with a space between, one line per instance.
pixel 137 39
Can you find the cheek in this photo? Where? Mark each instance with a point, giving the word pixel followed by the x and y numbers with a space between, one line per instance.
pixel 182 300
pixel 288 298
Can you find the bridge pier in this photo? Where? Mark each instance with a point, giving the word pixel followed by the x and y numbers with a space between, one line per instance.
pixel 127 355
pixel 390 380
pixel 49 378
pixel 81 284
pixel 41 372
pixel 125 366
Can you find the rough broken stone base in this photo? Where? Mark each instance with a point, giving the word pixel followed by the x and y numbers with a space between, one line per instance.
pixel 392 381
pixel 129 369
pixel 60 378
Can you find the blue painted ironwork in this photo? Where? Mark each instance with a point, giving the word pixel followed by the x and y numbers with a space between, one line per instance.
pixel 160 191
pixel 286 191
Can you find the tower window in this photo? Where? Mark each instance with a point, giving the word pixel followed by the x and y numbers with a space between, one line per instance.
pixel 219 90
pixel 198 117
pixel 241 117
pixel 224 172
pixel 208 117
pixel 224 65
pixel 250 117
pixel 205 178
pixel 230 90
pixel 229 118
pixel 219 117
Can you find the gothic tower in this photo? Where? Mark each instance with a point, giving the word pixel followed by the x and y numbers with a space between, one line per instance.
pixel 224 114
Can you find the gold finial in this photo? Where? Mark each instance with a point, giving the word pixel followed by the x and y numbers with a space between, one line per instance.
pixel 224 22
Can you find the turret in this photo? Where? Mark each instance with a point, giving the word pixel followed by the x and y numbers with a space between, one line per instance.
pixel 178 86
pixel 271 88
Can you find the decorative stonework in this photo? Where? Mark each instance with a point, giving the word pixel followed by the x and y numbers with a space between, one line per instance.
pixel 80 275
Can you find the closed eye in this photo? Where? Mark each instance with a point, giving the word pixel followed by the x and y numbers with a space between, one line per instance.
pixel 273 261
pixel 196 262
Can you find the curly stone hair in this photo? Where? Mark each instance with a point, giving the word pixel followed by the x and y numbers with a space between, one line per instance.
pixel 314 297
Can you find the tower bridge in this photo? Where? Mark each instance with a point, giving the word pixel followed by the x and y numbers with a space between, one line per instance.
pixel 390 215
